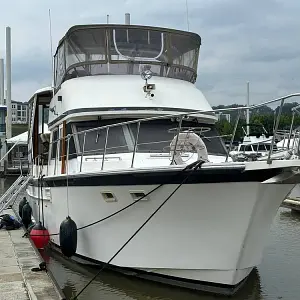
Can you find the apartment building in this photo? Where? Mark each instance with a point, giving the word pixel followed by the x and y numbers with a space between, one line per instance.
pixel 19 112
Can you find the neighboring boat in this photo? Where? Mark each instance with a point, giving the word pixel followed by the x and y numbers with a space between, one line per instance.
pixel 115 137
pixel 255 146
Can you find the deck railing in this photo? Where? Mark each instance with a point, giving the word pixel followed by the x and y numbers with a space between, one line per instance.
pixel 180 117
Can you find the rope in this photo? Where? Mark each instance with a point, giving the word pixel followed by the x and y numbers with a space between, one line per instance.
pixel 42 199
pixel 199 163
pixel 67 167
pixel 193 166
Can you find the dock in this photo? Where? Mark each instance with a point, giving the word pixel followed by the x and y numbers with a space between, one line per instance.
pixel 17 258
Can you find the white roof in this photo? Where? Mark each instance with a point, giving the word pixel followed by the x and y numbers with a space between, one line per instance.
pixel 23 137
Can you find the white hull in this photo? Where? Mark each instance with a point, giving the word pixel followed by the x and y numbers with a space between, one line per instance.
pixel 295 193
pixel 205 232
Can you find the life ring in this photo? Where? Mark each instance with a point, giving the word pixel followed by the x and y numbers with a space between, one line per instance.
pixel 188 142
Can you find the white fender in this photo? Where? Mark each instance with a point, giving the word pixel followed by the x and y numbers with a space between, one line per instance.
pixel 188 142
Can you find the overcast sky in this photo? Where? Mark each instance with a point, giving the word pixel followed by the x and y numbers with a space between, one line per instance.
pixel 242 40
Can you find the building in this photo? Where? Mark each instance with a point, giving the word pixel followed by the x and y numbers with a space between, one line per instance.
pixel 19 112
pixel 2 134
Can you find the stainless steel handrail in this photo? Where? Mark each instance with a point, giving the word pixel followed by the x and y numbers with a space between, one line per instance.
pixel 180 117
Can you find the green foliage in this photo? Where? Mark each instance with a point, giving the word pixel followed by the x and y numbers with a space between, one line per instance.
pixel 263 115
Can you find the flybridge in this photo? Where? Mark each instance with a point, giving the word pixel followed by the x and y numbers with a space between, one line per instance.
pixel 126 50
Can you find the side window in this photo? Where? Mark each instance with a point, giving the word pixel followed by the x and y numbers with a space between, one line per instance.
pixel 60 143
pixel 254 147
pixel 54 144
pixel 248 148
pixel 242 148
pixel 72 149
pixel 262 147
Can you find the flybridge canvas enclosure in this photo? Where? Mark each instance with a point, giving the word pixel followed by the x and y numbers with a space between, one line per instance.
pixel 125 50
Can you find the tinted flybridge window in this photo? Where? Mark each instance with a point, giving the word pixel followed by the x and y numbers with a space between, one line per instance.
pixel 87 50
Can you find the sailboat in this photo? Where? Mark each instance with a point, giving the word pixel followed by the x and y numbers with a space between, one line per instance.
pixel 129 137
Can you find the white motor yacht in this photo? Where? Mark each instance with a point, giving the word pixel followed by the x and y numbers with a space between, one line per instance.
pixel 128 130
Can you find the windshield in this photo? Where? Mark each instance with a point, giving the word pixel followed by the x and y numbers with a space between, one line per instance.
pixel 153 137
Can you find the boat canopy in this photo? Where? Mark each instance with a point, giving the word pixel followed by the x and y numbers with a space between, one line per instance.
pixel 126 50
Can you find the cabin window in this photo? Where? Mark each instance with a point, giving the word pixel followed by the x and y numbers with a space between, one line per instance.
pixel 60 64
pixel 95 140
pixel 54 144
pixel 245 148
pixel 154 136
pixel 262 147
pixel 72 148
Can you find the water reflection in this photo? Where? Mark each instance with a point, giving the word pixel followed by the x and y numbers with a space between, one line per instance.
pixel 110 285
pixel 291 215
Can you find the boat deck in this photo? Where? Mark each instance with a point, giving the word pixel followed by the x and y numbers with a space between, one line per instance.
pixel 17 257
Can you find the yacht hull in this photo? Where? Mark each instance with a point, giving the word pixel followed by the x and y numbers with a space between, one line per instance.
pixel 206 232
pixel 295 193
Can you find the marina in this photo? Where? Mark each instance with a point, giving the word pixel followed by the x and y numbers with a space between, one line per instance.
pixel 275 278
pixel 121 190
pixel 18 257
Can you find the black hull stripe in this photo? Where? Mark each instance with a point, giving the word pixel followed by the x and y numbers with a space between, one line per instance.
pixel 165 177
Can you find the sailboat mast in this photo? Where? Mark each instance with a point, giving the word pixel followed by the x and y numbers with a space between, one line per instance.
pixel 247 111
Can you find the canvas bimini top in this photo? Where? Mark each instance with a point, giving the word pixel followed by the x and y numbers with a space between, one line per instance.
pixel 108 49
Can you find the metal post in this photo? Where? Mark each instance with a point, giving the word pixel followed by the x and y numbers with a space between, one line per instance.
pixel 67 159
pixel 8 82
pixel 233 134
pixel 291 129
pixel 177 137
pixel 20 161
pixel 1 81
pixel 298 148
pixel 247 111
pixel 269 161
pixel 56 155
pixel 105 145
pixel 136 142
pixel 49 157
pixel 107 19
pixel 83 145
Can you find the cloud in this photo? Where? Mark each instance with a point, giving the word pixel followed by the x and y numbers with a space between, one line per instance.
pixel 250 40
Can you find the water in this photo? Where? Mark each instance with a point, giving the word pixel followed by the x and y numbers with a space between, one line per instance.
pixel 276 278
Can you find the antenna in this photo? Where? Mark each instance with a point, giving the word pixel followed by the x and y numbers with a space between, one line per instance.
pixel 187 15
pixel 107 19
pixel 247 111
pixel 51 50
